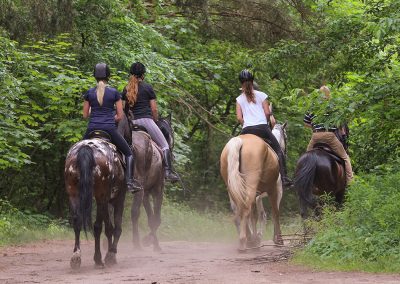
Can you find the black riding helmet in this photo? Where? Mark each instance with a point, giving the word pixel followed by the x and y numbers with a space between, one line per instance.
pixel 137 69
pixel 245 75
pixel 101 71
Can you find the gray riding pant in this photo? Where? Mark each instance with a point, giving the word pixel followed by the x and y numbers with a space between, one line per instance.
pixel 154 131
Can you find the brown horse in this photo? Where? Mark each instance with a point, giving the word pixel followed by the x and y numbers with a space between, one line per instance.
pixel 94 168
pixel 249 167
pixel 319 171
pixel 150 172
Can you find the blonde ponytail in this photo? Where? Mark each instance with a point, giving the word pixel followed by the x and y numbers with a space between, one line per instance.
pixel 101 87
pixel 132 90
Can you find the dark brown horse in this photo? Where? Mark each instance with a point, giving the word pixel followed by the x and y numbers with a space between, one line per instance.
pixel 94 168
pixel 150 172
pixel 319 171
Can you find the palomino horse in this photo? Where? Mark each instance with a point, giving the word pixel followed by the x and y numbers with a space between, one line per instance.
pixel 150 172
pixel 94 168
pixel 319 171
pixel 249 167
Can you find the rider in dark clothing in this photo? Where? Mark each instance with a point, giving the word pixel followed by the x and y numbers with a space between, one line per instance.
pixel 99 107
pixel 141 100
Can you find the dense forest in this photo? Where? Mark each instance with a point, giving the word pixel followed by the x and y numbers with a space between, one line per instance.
pixel 194 50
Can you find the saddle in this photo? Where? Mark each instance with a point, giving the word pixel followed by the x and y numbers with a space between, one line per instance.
pixel 325 147
pixel 137 127
pixel 100 134
pixel 103 135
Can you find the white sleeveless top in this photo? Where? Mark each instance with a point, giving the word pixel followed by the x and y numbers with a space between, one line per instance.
pixel 253 113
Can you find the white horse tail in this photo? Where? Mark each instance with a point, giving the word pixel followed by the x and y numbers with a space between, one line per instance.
pixel 236 182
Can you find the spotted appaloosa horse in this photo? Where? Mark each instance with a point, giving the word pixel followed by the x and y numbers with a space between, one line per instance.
pixel 94 168
pixel 150 172
pixel 249 167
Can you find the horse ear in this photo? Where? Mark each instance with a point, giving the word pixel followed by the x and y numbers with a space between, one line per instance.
pixel 284 125
pixel 170 116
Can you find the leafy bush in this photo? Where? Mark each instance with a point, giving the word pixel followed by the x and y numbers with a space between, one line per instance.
pixel 365 235
pixel 20 227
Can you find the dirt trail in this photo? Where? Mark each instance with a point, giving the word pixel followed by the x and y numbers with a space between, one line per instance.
pixel 179 262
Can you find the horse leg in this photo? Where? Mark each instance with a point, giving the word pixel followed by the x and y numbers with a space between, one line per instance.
pixel 236 219
pixel 274 198
pixel 157 203
pixel 244 215
pixel 109 231
pixel 262 217
pixel 251 231
pixel 116 230
pixel 97 228
pixel 75 261
pixel 303 209
pixel 135 213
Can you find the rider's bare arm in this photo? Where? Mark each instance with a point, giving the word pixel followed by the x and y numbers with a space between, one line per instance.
pixel 120 113
pixel 239 114
pixel 86 109
pixel 154 110
pixel 267 111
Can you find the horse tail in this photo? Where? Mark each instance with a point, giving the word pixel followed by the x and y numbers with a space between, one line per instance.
pixel 85 164
pixel 236 182
pixel 304 178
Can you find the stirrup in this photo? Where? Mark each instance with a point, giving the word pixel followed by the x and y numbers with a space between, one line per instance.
pixel 134 186
pixel 171 176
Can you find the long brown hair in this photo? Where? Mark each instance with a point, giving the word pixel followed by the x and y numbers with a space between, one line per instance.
pixel 248 90
pixel 132 89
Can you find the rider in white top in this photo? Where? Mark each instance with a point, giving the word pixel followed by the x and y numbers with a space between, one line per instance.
pixel 253 113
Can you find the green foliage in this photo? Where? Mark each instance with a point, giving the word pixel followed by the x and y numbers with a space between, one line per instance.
pixel 20 227
pixel 362 233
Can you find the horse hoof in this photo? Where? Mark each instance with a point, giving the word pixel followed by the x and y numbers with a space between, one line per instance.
pixel 278 240
pixel 110 259
pixel 99 265
pixel 75 260
pixel 241 250
pixel 157 249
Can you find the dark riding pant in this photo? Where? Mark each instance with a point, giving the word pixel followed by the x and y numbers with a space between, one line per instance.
pixel 264 132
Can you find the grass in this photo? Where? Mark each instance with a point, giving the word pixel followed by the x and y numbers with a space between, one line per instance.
pixel 17 227
pixel 382 265
pixel 179 222
pixel 364 235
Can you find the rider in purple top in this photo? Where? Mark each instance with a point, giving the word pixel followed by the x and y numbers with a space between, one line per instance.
pixel 99 106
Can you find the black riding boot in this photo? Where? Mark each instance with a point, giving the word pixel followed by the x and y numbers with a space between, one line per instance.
pixel 132 184
pixel 286 182
pixel 169 173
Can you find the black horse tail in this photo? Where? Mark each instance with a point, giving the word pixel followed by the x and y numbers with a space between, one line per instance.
pixel 85 163
pixel 304 178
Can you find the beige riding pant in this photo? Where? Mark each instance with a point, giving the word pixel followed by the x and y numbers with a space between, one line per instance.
pixel 330 139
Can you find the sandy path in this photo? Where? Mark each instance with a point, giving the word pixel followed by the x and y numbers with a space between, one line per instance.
pixel 180 262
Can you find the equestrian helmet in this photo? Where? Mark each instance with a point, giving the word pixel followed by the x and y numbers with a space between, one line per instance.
pixel 137 69
pixel 245 75
pixel 101 71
